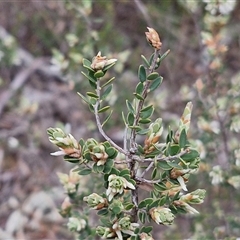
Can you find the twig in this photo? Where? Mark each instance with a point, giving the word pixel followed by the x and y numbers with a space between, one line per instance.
pixel 161 157
pixel 143 180
pixel 99 125
pixel 141 102
pixel 147 169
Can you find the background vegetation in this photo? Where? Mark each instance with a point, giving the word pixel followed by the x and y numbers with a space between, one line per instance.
pixel 42 44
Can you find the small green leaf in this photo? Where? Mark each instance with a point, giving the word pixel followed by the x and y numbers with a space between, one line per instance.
pixel 111 152
pixel 130 107
pixel 106 92
pixel 142 204
pixel 175 165
pixel 103 211
pixel 104 109
pixel 154 204
pixel 146 229
pixel 71 159
pixel 98 169
pixel 183 138
pixel 84 98
pixel 142 73
pixel 92 79
pixel 139 88
pixel 105 221
pixel 99 74
pixel 145 61
pixel 140 149
pixel 129 206
pixel 87 64
pixel 130 119
pixel 124 119
pixel 164 165
pixel 108 117
pixel 143 131
pixel 154 173
pixel 142 217
pixel 108 82
pixel 159 187
pixel 152 76
pixel 155 83
pixel 85 171
pixel 137 128
pixel 93 95
pixel 148 201
pixel 191 155
pixel 173 149
pixel 108 66
pixel 145 121
pixel 124 172
pixel 164 55
pixel 162 201
pixel 138 96
pixel 147 112
pixel 147 108
pixel 169 136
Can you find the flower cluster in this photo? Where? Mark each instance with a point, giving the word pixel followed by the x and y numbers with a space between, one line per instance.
pixel 66 207
pixel 76 224
pixel 67 144
pixel 153 136
pixel 153 38
pixel 70 182
pixel 162 215
pixel 195 197
pixel 185 120
pixel 105 232
pixel 97 152
pixel 95 201
pixel 117 184
pixel 179 175
pixel 99 62
pixel 145 236
pixel 124 225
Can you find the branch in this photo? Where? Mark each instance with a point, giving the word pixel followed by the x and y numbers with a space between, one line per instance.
pixel 141 102
pixel 161 157
pixel 99 125
pixel 147 169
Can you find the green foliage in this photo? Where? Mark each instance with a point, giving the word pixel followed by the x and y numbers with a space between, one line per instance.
pixel 123 171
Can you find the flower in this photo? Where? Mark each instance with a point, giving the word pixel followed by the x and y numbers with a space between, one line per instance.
pixel 145 236
pixel 153 135
pixel 70 181
pixel 75 224
pixel 178 174
pixel 105 232
pixel 185 206
pixel 195 197
pixel 67 144
pixel 124 225
pixel 116 185
pixel 95 201
pixel 171 189
pixel 99 62
pixel 66 207
pixel 99 155
pixel 162 215
pixel 153 38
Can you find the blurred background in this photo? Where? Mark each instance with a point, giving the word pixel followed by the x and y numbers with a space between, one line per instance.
pixel 42 44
